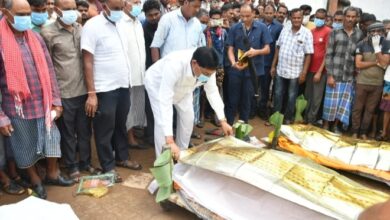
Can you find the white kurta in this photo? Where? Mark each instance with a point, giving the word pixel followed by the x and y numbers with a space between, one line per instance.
pixel 170 81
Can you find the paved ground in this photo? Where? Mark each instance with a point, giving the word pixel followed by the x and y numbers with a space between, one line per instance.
pixel 128 203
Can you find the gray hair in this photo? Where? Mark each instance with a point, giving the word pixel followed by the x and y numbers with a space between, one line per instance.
pixel 351 8
pixel 202 12
pixel 7 4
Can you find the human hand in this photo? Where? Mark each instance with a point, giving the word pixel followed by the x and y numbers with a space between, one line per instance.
pixel 330 81
pixel 250 53
pixel 6 130
pixel 91 105
pixel 317 77
pixel 58 110
pixel 226 128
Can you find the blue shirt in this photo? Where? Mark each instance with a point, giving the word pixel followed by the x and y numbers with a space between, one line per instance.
pixel 274 29
pixel 258 36
pixel 174 33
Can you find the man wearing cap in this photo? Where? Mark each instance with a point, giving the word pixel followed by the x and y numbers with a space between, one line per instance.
pixel 369 81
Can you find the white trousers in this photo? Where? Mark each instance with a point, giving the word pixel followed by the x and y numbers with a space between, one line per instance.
pixel 185 122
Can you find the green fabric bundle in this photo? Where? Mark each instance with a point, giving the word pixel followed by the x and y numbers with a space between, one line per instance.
pixel 162 172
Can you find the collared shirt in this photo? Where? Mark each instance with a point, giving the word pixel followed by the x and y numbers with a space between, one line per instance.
pixel 33 107
pixel 274 29
pixel 174 33
pixel 258 36
pixel 320 41
pixel 64 47
pixel 149 30
pixel 372 75
pixel 292 50
pixel 340 54
pixel 108 44
pixel 171 80
pixel 136 50
pixel 38 29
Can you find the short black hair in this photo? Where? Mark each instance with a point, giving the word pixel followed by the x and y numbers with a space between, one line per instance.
pixel 270 5
pixel 150 5
pixel 295 10
pixel 339 12
pixel 322 11
pixel 305 7
pixel 236 5
pixel 37 3
pixel 82 3
pixel 282 6
pixel 215 12
pixel 367 17
pixel 206 57
pixel 226 7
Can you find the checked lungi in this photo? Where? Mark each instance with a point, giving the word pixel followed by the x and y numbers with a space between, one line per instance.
pixel 338 102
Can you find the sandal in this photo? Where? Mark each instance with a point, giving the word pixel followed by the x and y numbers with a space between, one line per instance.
pixel 215 132
pixel 75 176
pixel 117 177
pixel 129 164
pixel 200 124
pixel 13 188
pixel 21 182
pixel 91 170
pixel 195 135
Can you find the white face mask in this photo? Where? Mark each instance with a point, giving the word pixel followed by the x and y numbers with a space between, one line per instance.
pixel 306 19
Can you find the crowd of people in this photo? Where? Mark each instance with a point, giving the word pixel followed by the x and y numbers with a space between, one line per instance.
pixel 71 70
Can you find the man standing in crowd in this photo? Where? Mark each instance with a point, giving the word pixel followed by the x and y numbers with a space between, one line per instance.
pixel 338 20
pixel 236 13
pixel 171 82
pixel 30 97
pixel 291 63
pixel 282 14
pixel 255 35
pixel 369 80
pixel 136 53
pixel 340 66
pixel 82 8
pixel 177 30
pixel 316 79
pixel 63 41
pixel 107 75
pixel 274 28
pixel 151 8
pixel 39 15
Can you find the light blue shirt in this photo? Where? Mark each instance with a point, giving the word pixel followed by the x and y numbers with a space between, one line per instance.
pixel 174 33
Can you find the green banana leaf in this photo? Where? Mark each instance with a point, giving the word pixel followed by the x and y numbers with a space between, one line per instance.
pixel 242 130
pixel 300 105
pixel 276 120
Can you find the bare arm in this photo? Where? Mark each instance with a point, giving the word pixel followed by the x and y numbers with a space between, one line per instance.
pixel 155 52
pixel 92 101
pixel 359 63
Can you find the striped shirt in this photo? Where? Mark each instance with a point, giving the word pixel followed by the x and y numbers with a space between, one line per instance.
pixel 340 54
pixel 292 50
pixel 33 107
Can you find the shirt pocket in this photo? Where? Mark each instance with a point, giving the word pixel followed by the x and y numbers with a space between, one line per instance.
pixel 107 43
pixel 298 48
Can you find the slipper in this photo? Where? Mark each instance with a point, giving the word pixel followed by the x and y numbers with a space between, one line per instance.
pixel 195 135
pixel 128 164
pixel 200 124
pixel 91 170
pixel 267 124
pixel 117 177
pixel 21 182
pixel 12 188
pixel 216 122
pixel 215 132
pixel 75 176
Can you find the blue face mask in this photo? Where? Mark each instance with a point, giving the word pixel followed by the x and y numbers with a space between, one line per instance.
pixel 203 78
pixel 319 22
pixel 204 26
pixel 136 10
pixel 337 26
pixel 114 15
pixel 39 18
pixel 22 23
pixel 69 17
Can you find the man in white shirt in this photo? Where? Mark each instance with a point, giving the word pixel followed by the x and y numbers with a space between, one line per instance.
pixel 137 55
pixel 177 30
pixel 107 74
pixel 171 81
